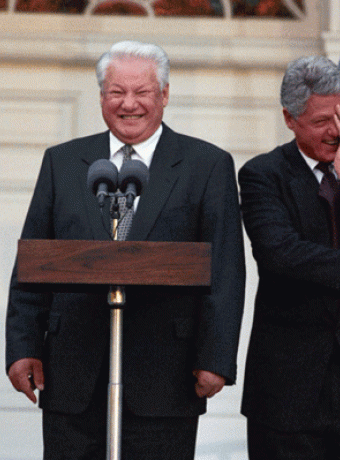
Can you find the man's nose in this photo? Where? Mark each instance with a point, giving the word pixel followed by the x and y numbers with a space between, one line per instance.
pixel 130 101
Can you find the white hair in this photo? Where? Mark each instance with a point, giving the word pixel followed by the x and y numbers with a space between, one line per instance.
pixel 136 50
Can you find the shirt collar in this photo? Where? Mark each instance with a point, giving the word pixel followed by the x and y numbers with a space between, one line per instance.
pixel 310 161
pixel 313 163
pixel 144 150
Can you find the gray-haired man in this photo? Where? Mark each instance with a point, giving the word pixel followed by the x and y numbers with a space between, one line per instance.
pixel 290 208
pixel 179 344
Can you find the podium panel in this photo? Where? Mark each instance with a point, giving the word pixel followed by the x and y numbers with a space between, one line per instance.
pixel 114 262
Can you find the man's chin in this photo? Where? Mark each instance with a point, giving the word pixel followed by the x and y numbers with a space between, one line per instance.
pixel 327 157
pixel 130 136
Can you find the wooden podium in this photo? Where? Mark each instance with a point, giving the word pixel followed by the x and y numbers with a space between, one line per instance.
pixel 96 262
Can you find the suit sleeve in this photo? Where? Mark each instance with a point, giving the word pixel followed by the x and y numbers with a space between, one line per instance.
pixel 221 312
pixel 28 305
pixel 277 241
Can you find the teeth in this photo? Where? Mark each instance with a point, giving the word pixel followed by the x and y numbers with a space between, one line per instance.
pixel 130 117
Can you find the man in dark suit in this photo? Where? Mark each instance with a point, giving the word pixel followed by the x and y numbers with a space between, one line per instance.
pixel 292 382
pixel 180 344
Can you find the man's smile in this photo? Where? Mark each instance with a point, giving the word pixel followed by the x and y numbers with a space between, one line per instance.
pixel 130 117
pixel 332 142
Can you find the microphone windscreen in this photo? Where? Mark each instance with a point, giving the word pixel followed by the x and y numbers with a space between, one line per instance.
pixel 102 171
pixel 133 171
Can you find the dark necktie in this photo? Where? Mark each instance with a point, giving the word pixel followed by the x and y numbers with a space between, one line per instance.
pixel 121 216
pixel 329 191
pixel 126 215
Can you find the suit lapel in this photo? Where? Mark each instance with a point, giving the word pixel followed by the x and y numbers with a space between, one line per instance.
pixel 304 187
pixel 97 148
pixel 164 172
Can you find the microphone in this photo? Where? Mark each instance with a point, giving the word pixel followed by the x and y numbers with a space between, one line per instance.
pixel 102 179
pixel 133 177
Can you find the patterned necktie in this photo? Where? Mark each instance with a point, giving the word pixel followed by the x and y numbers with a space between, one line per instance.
pixel 126 215
pixel 328 190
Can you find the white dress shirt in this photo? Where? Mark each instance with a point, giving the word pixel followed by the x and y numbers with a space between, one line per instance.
pixel 142 152
pixel 312 164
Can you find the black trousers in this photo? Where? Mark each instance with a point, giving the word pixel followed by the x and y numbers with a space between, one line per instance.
pixel 143 438
pixel 83 436
pixel 320 442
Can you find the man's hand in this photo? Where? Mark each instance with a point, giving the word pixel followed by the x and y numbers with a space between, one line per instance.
pixel 208 383
pixel 26 375
pixel 337 124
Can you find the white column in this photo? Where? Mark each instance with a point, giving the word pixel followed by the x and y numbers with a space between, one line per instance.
pixel 334 15
pixel 331 36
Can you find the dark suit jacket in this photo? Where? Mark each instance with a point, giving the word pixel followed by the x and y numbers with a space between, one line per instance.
pixel 296 311
pixel 168 332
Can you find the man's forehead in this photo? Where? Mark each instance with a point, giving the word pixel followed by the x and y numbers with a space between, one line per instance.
pixel 131 71
pixel 323 99
pixel 132 62
pixel 318 104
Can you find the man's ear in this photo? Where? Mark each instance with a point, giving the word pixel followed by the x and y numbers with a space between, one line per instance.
pixel 165 95
pixel 288 119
